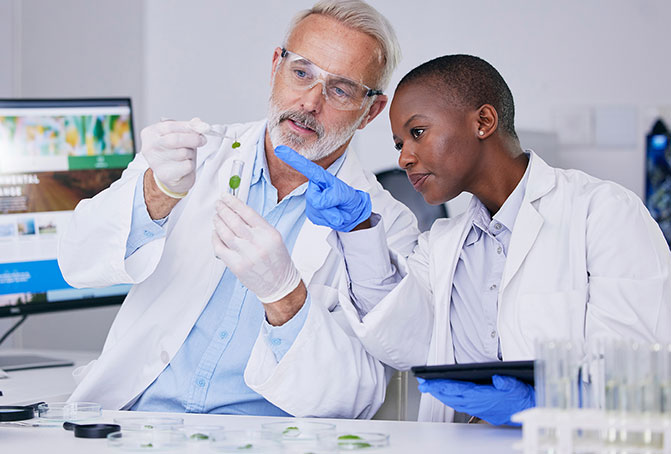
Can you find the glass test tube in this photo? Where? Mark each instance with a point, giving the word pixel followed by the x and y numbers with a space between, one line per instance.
pixel 236 177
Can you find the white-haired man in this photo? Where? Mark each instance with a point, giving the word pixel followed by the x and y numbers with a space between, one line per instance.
pixel 245 318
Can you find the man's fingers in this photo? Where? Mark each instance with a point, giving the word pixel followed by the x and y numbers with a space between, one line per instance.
pixel 181 140
pixel 233 221
pixel 312 171
pixel 247 214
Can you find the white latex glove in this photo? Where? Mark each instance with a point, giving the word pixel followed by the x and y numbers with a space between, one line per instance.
pixel 253 250
pixel 170 149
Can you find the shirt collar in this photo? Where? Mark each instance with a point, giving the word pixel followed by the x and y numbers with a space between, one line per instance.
pixel 260 169
pixel 506 214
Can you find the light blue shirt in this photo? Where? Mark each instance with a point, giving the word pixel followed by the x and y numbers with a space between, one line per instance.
pixel 475 287
pixel 206 374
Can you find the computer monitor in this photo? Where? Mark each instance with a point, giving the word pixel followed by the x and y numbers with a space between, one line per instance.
pixel 53 153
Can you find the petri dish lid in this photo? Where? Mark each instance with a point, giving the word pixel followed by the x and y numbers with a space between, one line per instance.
pixel 69 411
pixel 247 441
pixel 298 430
pixel 352 441
pixel 149 423
pixel 156 440
pixel 200 433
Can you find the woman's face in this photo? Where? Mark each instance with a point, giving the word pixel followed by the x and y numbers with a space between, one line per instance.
pixel 439 143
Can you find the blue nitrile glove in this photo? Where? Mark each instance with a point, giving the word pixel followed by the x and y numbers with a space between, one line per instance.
pixel 329 200
pixel 494 403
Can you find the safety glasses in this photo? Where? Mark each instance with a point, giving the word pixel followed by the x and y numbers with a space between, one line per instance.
pixel 341 93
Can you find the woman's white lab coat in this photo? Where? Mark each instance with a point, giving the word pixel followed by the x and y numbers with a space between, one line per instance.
pixel 585 260
pixel 326 372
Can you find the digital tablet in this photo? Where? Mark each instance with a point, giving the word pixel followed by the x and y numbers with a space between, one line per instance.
pixel 480 373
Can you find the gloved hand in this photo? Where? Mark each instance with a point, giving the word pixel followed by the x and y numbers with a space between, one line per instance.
pixel 329 200
pixel 494 403
pixel 253 250
pixel 170 149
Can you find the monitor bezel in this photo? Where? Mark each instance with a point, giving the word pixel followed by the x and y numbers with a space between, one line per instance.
pixel 79 303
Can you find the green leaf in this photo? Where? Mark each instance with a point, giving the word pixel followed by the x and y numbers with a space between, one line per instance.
pixel 199 436
pixel 235 145
pixel 234 182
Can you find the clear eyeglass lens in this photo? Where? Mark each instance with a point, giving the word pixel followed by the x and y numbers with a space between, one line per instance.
pixel 340 92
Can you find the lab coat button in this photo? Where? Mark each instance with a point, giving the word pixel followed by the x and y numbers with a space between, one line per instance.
pixel 493 334
pixel 499 250
pixel 492 287
pixel 200 382
pixel 165 357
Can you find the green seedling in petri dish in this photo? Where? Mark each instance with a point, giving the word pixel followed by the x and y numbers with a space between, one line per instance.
pixel 199 436
pixel 148 445
pixel 247 446
pixel 355 445
pixel 291 431
pixel 148 426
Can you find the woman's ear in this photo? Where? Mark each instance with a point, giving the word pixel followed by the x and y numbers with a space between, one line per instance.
pixel 487 122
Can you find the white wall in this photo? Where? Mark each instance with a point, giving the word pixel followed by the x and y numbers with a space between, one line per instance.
pixel 70 48
pixel 569 55
pixel 212 58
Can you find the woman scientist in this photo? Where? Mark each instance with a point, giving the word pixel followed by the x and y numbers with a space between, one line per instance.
pixel 540 252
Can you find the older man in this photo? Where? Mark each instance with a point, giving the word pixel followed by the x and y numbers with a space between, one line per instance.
pixel 245 320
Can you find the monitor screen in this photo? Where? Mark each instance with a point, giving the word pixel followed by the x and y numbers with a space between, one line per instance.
pixel 53 153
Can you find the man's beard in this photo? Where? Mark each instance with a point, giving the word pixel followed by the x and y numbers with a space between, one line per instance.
pixel 326 142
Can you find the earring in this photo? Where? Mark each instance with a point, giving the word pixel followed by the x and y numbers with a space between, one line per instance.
pixel 481 132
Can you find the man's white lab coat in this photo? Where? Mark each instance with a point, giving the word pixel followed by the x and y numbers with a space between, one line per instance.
pixel 585 260
pixel 326 372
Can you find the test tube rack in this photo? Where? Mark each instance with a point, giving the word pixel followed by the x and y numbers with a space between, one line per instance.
pixel 562 431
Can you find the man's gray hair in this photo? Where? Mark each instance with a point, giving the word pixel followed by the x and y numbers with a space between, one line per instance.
pixel 360 16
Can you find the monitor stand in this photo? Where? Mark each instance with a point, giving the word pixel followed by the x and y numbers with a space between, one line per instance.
pixel 10 363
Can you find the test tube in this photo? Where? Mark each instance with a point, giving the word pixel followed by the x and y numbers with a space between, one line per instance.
pixel 236 177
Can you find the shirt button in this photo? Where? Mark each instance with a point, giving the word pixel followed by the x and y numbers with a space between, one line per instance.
pixel 223 334
pixel 148 234
pixel 200 382
pixel 497 226
pixel 492 287
pixel 165 357
pixel 499 250
pixel 275 341
pixel 493 334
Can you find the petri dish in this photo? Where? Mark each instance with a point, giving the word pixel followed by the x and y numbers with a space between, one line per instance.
pixel 353 441
pixel 149 423
pixel 200 434
pixel 69 411
pixel 298 430
pixel 247 441
pixel 149 440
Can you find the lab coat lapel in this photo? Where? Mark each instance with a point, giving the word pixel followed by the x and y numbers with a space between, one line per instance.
pixel 529 221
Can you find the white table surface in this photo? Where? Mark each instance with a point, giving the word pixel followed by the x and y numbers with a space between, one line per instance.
pixel 405 437
pixel 52 384
pixel 55 385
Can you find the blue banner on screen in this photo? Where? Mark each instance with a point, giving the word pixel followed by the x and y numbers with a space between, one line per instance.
pixel 31 277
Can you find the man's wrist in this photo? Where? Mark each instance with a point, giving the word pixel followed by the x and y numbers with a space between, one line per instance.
pixel 159 204
pixel 280 312
pixel 364 225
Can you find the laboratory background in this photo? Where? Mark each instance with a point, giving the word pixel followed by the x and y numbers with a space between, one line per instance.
pixel 590 78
